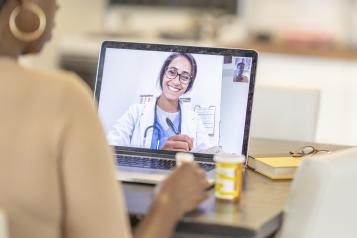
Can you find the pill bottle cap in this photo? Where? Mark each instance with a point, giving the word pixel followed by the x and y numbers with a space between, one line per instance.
pixel 228 158
pixel 183 157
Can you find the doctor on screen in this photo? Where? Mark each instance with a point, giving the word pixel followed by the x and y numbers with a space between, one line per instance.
pixel 165 123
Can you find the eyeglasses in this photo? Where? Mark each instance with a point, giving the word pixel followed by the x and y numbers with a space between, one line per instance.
pixel 184 77
pixel 307 150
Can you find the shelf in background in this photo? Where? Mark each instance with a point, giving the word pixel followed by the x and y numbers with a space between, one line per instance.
pixel 329 53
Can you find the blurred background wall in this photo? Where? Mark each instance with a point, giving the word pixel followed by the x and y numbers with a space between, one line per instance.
pixel 302 44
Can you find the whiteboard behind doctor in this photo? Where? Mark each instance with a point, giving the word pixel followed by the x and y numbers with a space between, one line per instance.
pixel 166 122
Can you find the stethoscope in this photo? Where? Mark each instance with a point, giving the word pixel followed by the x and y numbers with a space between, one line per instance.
pixel 169 123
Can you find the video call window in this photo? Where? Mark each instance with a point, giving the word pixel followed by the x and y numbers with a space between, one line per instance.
pixel 134 81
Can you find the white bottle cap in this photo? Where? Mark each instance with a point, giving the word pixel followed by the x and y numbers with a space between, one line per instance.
pixel 183 157
pixel 228 158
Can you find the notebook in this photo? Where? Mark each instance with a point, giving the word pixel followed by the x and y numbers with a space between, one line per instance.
pixel 275 167
pixel 155 99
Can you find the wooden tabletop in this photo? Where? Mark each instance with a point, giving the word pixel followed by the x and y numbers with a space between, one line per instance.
pixel 260 146
pixel 258 214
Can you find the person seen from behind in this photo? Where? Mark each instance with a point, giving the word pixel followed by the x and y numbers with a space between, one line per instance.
pixel 57 177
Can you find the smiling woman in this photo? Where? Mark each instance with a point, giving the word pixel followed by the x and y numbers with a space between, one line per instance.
pixel 165 123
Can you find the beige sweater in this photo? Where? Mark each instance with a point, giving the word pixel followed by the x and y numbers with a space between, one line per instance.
pixel 56 169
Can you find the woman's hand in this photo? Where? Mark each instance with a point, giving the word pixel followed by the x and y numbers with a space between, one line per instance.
pixel 181 192
pixel 180 142
pixel 184 189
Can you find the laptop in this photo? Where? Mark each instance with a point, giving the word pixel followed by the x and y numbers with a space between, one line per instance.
pixel 156 99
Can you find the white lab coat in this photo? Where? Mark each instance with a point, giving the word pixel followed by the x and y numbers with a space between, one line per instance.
pixel 130 128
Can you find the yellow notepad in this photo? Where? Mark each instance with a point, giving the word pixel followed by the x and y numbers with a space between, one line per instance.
pixel 282 167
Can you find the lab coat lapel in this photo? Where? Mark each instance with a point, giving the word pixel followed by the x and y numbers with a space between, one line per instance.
pixel 147 120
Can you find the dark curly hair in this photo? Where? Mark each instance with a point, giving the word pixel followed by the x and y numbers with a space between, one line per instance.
pixel 2 2
pixel 168 61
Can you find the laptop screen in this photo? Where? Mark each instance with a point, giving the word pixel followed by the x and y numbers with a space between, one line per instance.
pixel 162 97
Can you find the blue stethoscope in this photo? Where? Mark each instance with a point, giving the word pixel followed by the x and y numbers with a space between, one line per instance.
pixel 156 127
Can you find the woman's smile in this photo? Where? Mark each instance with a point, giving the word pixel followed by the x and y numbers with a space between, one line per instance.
pixel 174 89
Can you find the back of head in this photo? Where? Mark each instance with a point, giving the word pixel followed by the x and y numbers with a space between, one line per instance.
pixel 25 26
pixel 322 201
pixel 2 3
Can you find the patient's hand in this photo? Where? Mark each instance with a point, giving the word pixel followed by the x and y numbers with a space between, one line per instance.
pixel 181 192
pixel 185 188
pixel 179 142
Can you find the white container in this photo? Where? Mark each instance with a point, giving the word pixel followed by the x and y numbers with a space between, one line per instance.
pixel 229 176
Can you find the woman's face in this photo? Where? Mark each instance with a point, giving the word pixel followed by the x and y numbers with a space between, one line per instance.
pixel 240 69
pixel 173 87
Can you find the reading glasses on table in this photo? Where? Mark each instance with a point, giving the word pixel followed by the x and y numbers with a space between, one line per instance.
pixel 307 150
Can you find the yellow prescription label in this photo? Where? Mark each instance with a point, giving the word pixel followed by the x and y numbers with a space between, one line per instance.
pixel 228 180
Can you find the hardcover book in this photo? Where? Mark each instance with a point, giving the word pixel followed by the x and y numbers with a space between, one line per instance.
pixel 279 167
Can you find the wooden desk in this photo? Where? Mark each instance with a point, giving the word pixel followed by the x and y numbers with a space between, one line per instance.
pixel 258 214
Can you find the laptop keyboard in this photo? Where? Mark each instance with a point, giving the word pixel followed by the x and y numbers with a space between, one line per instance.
pixel 154 163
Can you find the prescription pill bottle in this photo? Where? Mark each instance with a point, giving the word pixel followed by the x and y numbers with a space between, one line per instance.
pixel 229 176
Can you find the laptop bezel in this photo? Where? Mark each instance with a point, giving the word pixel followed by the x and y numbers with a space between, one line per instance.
pixel 236 52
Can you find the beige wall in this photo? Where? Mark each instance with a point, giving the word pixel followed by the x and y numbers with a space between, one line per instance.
pixel 336 80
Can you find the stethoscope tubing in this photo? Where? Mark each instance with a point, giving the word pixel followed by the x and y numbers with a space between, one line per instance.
pixel 158 129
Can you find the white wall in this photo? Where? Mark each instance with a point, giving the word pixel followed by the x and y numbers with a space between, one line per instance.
pixel 336 80
pixel 331 17
pixel 233 110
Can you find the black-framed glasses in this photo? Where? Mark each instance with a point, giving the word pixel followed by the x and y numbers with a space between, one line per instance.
pixel 184 77
pixel 307 150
